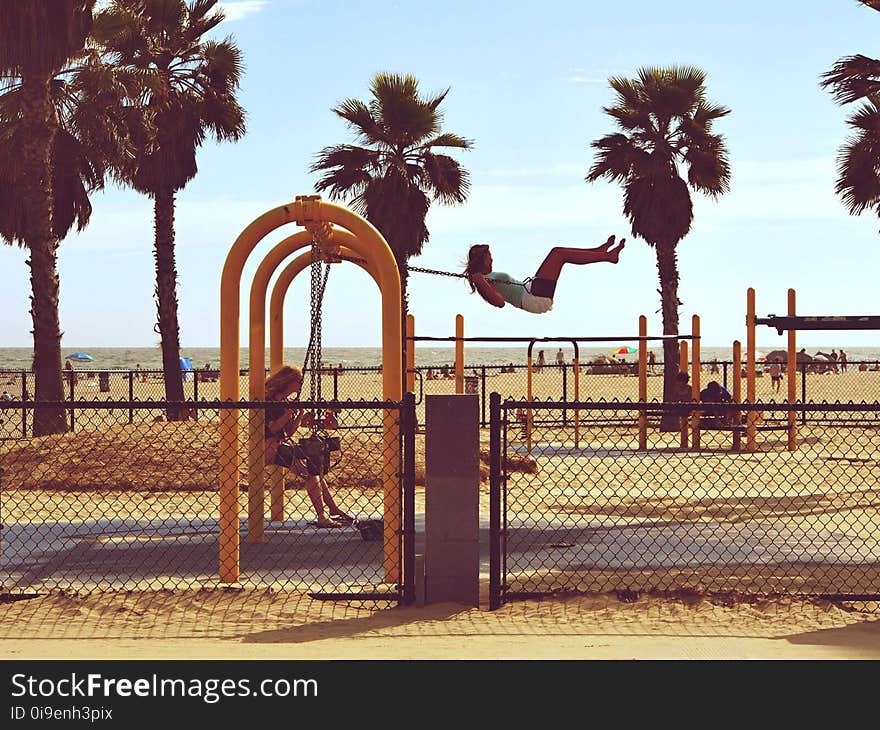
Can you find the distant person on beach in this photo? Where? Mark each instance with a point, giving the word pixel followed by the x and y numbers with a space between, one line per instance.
pixel 74 377
pixel 842 361
pixel 560 359
pixel 282 423
pixel 776 375
pixel 540 364
pixel 652 361
pixel 535 294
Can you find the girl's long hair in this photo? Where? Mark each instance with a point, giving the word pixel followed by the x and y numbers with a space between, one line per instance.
pixel 280 380
pixel 474 261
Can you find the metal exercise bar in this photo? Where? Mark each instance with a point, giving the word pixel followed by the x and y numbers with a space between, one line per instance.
pixel 850 322
pixel 552 339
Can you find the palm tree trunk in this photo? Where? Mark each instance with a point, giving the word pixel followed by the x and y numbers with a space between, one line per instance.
pixel 166 298
pixel 667 269
pixel 42 244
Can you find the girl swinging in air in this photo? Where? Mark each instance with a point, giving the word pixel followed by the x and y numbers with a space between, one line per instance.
pixel 535 294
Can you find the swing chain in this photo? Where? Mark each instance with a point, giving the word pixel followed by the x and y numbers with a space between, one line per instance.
pixel 453 274
pixel 314 355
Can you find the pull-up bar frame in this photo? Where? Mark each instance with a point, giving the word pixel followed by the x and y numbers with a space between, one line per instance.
pixel 554 339
pixel 830 322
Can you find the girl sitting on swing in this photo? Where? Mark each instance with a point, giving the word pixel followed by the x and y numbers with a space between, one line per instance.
pixel 535 294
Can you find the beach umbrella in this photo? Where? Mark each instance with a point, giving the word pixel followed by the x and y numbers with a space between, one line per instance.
pixel 80 357
pixel 625 351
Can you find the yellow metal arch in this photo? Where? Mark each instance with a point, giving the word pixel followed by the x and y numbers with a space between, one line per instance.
pixel 317 217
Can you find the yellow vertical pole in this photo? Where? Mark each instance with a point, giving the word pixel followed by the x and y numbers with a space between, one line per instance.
pixel 683 368
pixel 459 354
pixel 737 390
pixel 792 374
pixel 275 474
pixel 410 354
pixel 256 494
pixel 228 452
pixel 696 367
pixel 751 416
pixel 643 382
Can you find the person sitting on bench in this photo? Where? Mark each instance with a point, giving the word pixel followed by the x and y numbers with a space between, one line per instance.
pixel 714 392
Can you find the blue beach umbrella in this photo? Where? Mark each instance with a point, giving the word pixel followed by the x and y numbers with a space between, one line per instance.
pixel 80 357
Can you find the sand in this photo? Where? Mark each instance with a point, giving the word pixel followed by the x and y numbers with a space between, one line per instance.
pixel 221 624
pixel 256 623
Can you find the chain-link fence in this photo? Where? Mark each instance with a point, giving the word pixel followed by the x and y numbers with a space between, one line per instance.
pixel 135 503
pixel 817 382
pixel 764 505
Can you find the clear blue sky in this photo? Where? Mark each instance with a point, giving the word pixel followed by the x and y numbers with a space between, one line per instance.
pixel 528 82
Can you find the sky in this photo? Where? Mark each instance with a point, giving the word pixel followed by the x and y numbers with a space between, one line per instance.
pixel 527 84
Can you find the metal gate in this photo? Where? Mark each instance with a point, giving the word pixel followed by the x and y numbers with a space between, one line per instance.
pixel 588 511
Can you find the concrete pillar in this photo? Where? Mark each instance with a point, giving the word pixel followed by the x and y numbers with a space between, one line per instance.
pixel 452 499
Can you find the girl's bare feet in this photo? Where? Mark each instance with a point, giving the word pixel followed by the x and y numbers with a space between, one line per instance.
pixel 326 523
pixel 614 253
pixel 608 244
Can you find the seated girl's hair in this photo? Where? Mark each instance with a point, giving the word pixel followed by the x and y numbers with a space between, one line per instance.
pixel 474 261
pixel 280 380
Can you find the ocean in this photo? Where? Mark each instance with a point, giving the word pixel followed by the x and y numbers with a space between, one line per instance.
pixel 150 358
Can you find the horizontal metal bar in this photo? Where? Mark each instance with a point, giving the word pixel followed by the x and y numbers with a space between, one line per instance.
pixel 681 408
pixel 200 404
pixel 830 322
pixel 553 339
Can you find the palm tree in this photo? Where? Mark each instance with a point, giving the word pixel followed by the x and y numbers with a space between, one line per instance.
pixel 852 79
pixel 394 177
pixel 189 91
pixel 37 39
pixel 666 125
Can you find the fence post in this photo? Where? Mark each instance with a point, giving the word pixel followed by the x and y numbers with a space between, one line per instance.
pixel 564 393
pixel 130 396
pixel 482 395
pixel 410 574
pixel 494 501
pixel 803 392
pixel 196 394
pixel 71 397
pixel 24 397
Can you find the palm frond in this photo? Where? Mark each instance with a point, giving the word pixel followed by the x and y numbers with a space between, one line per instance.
pixel 348 156
pixel 446 179
pixel 360 118
pixel 616 159
pixel 222 65
pixel 38 38
pixel 708 167
pixel 447 139
pixel 405 118
pixel 853 78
